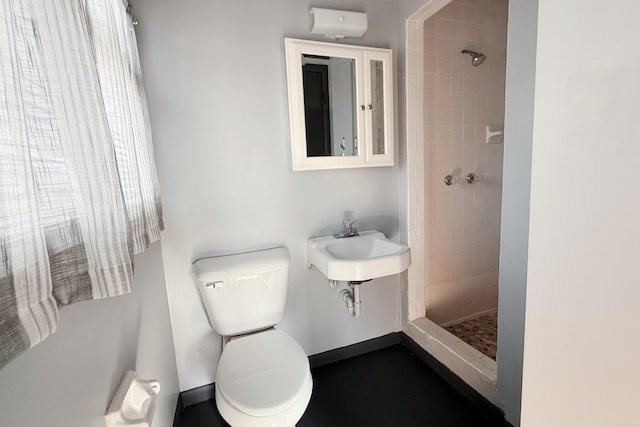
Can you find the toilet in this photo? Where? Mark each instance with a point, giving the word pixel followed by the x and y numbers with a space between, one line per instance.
pixel 263 377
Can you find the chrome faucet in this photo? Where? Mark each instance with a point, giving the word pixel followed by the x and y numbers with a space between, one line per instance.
pixel 349 229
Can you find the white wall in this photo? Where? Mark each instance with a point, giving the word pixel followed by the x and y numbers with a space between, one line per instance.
pixel 68 379
pixel 215 79
pixel 582 320
pixel 521 63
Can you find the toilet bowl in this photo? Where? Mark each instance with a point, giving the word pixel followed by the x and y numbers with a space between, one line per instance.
pixel 263 376
pixel 263 380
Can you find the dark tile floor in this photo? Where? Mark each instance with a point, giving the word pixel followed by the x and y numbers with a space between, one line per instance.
pixel 480 332
pixel 389 387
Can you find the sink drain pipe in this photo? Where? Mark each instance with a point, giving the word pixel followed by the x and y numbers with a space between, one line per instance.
pixel 351 297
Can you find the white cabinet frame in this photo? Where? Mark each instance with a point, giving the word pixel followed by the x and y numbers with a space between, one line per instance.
pixel 294 51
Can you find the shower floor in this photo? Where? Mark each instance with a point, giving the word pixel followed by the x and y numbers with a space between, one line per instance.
pixel 480 332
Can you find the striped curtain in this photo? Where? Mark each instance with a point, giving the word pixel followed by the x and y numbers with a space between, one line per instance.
pixel 78 186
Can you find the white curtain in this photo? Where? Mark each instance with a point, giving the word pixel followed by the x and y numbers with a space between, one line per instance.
pixel 78 186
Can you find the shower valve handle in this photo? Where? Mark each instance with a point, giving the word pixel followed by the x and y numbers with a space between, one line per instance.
pixel 451 180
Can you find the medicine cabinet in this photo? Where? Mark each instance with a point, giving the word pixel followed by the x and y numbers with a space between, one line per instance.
pixel 340 105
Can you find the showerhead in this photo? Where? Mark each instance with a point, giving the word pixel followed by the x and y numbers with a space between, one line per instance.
pixel 476 58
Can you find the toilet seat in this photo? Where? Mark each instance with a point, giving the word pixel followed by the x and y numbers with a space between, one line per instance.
pixel 265 374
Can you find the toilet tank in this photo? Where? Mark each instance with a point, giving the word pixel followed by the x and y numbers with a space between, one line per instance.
pixel 245 292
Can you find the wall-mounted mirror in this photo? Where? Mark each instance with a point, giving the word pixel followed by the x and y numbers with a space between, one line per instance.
pixel 329 86
pixel 340 105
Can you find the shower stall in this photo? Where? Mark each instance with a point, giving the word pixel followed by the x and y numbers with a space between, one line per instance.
pixel 464 54
pixel 455 92
pixel 455 82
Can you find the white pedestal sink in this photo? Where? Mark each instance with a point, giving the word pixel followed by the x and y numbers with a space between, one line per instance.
pixel 358 258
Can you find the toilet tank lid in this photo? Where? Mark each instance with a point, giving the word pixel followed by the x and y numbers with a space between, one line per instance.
pixel 214 268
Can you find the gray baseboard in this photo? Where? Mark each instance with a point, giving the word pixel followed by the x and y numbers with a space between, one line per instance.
pixel 197 395
pixel 342 353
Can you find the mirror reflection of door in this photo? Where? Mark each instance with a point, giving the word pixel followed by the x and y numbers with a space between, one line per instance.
pixel 329 105
pixel 315 79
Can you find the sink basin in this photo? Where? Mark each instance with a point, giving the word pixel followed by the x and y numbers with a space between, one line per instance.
pixel 364 257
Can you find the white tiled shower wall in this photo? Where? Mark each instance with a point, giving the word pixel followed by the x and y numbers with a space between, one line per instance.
pixel 462 221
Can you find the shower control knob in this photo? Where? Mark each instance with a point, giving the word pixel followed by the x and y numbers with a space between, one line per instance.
pixel 448 180
pixel 473 178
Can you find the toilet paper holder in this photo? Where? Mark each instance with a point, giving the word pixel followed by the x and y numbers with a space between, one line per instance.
pixel 133 403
